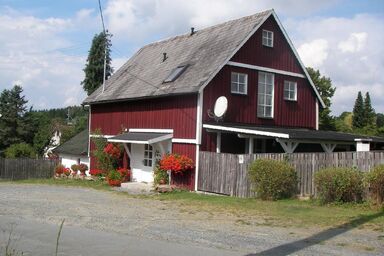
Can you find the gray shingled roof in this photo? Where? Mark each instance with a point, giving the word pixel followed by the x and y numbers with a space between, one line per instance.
pixel 205 51
pixel 78 145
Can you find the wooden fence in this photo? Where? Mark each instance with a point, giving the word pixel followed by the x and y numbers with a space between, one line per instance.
pixel 228 174
pixel 20 169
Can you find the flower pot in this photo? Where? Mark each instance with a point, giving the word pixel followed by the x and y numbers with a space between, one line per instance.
pixel 114 183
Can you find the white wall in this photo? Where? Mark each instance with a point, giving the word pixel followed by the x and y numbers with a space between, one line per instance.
pixel 68 160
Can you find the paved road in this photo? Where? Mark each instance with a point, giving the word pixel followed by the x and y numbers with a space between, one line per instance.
pixel 105 223
pixel 35 238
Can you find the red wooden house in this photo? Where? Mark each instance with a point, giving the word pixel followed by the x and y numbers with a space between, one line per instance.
pixel 162 97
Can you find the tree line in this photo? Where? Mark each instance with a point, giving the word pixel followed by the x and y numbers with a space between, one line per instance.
pixel 361 120
pixel 26 132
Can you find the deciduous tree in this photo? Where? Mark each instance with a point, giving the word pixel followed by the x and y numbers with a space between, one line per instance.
pixel 326 90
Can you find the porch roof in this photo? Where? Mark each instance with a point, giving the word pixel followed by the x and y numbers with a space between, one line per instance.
pixel 141 137
pixel 292 133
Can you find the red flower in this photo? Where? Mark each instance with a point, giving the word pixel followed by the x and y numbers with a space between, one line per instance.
pixel 176 163
pixel 125 174
pixel 112 150
pixel 67 172
pixel 95 172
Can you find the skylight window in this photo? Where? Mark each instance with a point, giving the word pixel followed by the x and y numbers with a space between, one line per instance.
pixel 175 73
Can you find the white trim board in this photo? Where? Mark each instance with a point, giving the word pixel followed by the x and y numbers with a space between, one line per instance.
pixel 246 131
pixel 101 136
pixel 151 141
pixel 151 130
pixel 270 70
pixel 185 141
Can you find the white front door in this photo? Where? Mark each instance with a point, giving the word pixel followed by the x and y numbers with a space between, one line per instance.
pixel 142 162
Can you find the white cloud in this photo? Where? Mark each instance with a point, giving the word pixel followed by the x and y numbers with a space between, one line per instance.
pixel 354 59
pixel 354 43
pixel 31 56
pixel 314 53
pixel 143 20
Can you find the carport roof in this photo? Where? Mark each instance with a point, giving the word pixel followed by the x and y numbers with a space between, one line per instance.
pixel 141 137
pixel 292 133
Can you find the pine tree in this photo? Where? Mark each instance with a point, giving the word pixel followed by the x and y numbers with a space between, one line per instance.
pixel 94 68
pixel 326 90
pixel 369 112
pixel 15 126
pixel 358 112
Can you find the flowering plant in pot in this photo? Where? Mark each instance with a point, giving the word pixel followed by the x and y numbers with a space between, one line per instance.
pixel 114 178
pixel 59 170
pixel 74 168
pixel 125 174
pixel 82 168
pixel 67 172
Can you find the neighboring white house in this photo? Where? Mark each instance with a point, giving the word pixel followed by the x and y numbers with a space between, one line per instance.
pixel 74 151
pixel 53 143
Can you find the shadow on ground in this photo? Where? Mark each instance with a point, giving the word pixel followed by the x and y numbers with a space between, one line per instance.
pixel 286 249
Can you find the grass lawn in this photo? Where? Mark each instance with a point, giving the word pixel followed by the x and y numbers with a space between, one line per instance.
pixel 292 212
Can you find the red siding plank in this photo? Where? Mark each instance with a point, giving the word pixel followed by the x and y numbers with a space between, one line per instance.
pixel 279 56
pixel 243 108
pixel 177 113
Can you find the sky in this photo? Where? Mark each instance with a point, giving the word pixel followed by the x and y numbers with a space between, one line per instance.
pixel 44 44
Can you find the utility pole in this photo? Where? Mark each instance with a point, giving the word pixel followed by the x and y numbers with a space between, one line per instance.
pixel 105 45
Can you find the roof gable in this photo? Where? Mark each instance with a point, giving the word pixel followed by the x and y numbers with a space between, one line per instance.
pixel 205 52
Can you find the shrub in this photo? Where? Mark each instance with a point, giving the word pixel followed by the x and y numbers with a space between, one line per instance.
pixel 20 150
pixel 273 179
pixel 161 176
pixel 375 179
pixel 339 185
pixel 114 175
pixel 125 174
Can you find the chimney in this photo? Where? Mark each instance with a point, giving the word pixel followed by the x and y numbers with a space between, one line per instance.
pixel 192 31
pixel 165 57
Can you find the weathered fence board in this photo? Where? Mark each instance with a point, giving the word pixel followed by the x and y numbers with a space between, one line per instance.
pixel 228 173
pixel 20 169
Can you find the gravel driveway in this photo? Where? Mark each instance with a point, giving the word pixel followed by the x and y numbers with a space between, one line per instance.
pixel 169 221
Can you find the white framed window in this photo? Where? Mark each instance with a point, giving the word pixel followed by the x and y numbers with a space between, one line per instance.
pixel 148 155
pixel 265 95
pixel 267 38
pixel 239 83
pixel 290 90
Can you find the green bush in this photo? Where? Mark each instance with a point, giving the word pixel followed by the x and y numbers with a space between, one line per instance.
pixel 114 175
pixel 375 179
pixel 20 150
pixel 339 185
pixel 273 179
pixel 160 175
